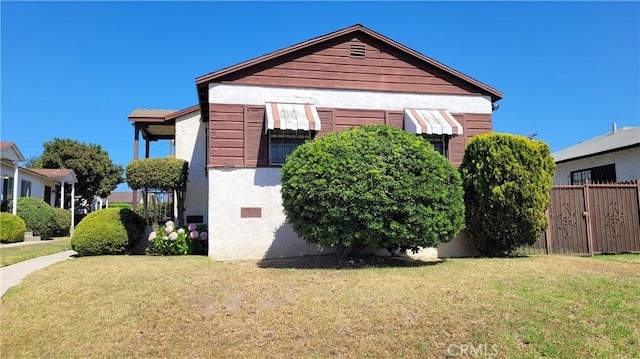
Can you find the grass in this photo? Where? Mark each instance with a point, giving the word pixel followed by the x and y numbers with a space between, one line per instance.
pixel 150 307
pixel 13 255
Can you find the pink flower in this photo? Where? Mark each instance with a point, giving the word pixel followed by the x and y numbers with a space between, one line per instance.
pixel 168 229
pixel 192 227
pixel 152 236
pixel 204 236
pixel 194 234
pixel 173 236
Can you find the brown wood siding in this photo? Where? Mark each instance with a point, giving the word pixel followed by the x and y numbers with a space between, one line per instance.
pixel 238 139
pixel 226 135
pixel 256 142
pixel 395 119
pixel 472 124
pixel 326 120
pixel 329 65
pixel 347 118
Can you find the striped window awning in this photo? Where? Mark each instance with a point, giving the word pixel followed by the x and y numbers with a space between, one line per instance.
pixel 286 116
pixel 431 122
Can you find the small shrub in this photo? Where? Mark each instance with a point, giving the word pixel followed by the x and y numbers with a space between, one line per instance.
pixel 107 231
pixel 12 228
pixel 506 180
pixel 372 186
pixel 172 240
pixel 120 205
pixel 37 216
pixel 62 221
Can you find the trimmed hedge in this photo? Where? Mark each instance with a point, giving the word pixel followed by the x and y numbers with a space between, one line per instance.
pixel 107 231
pixel 12 228
pixel 157 173
pixel 372 186
pixel 37 216
pixel 62 222
pixel 507 181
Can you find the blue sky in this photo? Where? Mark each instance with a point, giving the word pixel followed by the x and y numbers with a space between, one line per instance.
pixel 568 70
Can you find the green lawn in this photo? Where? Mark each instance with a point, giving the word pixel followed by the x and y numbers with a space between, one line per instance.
pixel 12 255
pixel 179 307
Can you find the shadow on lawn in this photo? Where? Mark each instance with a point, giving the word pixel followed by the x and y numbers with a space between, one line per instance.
pixel 344 261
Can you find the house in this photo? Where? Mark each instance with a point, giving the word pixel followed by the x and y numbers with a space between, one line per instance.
pixel 54 186
pixel 611 157
pixel 250 116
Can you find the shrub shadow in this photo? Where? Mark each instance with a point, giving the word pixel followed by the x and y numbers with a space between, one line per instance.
pixel 345 261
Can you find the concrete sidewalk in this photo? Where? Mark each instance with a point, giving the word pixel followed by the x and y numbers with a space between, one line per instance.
pixel 12 275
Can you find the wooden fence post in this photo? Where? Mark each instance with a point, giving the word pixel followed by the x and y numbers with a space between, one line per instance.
pixel 587 215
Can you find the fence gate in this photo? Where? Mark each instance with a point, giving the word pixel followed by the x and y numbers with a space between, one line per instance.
pixel 592 218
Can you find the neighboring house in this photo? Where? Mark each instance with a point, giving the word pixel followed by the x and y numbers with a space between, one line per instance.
pixel 54 186
pixel 251 115
pixel 612 157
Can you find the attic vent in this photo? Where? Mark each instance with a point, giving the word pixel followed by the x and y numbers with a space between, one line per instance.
pixel 357 51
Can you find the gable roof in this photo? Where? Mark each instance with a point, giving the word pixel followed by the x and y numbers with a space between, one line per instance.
pixel 203 81
pixel 54 173
pixel 625 137
pixel 9 151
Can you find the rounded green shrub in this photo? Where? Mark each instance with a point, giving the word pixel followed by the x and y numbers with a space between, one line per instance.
pixel 107 231
pixel 37 216
pixel 507 181
pixel 62 221
pixel 12 228
pixel 372 186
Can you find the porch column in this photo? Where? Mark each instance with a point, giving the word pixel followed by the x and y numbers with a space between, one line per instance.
pixel 73 206
pixel 62 194
pixel 15 188
pixel 136 144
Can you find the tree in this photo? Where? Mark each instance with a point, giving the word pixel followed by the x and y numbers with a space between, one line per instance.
pixel 507 181
pixel 372 186
pixel 96 173
pixel 165 174
pixel 33 162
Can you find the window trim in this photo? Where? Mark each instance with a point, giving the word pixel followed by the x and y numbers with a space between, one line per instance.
pixel 25 188
pixel 444 139
pixel 295 137
pixel 609 170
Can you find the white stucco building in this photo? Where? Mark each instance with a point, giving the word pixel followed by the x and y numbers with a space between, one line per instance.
pixel 54 186
pixel 612 157
pixel 251 115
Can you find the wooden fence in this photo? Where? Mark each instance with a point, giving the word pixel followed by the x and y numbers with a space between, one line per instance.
pixel 591 219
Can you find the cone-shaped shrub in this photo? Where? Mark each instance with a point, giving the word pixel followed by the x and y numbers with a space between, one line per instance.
pixel 507 181
pixel 372 186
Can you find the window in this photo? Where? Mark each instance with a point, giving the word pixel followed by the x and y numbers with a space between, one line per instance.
pixel 440 143
pixel 283 142
pixel 7 188
pixel 600 174
pixel 25 188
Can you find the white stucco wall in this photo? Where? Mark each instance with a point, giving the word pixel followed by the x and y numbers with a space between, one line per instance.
pixel 37 185
pixel 373 100
pixel 267 237
pixel 627 165
pixel 191 146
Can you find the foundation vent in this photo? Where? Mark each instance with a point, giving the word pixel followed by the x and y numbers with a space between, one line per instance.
pixel 357 52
